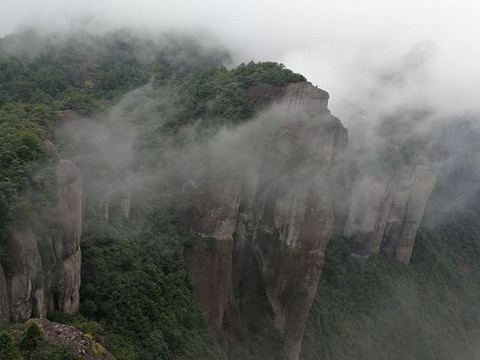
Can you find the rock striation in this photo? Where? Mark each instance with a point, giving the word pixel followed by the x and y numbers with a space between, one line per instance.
pixel 213 216
pixel 67 232
pixel 390 193
pixel 42 274
pixel 268 231
pixel 25 276
pixel 4 302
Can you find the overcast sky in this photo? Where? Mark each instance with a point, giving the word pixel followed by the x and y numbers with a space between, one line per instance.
pixel 429 49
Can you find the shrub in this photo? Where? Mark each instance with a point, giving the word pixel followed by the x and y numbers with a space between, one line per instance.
pixel 31 337
pixel 8 349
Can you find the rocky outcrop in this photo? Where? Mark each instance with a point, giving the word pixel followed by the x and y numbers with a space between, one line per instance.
pixel 293 208
pixel 82 345
pixel 4 304
pixel 389 194
pixel 26 282
pixel 43 274
pixel 66 234
pixel 276 222
pixel 212 214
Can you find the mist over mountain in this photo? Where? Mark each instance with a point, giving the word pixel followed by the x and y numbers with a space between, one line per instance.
pixel 177 183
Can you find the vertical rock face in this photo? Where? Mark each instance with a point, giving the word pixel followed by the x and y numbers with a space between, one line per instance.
pixel 44 275
pixel 293 210
pixel 4 304
pixel 214 208
pixel 213 215
pixel 26 283
pixel 278 221
pixel 387 203
pixel 67 232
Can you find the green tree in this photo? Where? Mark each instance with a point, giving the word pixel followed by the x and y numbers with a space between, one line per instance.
pixel 8 349
pixel 31 337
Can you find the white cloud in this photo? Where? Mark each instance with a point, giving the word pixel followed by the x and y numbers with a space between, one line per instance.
pixel 337 44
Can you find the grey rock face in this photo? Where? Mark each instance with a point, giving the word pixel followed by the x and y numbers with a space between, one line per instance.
pixel 4 303
pixel 67 232
pixel 280 219
pixel 214 209
pixel 387 204
pixel 40 282
pixel 213 215
pixel 293 212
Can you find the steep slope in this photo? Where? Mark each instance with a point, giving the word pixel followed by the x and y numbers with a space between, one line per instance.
pixel 276 229
pixel 4 303
pixel 427 310
pixel 256 196
pixel 67 232
pixel 390 193
pixel 43 275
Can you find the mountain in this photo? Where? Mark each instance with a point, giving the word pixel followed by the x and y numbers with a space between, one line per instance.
pixel 174 208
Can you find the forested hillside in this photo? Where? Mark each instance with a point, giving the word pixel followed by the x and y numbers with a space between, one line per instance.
pixel 206 195
pixel 56 95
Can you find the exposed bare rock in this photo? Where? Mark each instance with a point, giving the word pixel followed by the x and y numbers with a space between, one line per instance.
pixel 213 214
pixel 210 265
pixel 413 188
pixel 388 199
pixel 43 274
pixel 281 219
pixel 25 278
pixel 4 303
pixel 214 208
pixel 301 95
pixel 67 232
pixel 293 209
pixel 84 346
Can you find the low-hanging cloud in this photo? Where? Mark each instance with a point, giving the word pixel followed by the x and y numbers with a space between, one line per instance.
pixel 341 46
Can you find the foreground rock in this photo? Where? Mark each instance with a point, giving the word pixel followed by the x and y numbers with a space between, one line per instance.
pixel 83 346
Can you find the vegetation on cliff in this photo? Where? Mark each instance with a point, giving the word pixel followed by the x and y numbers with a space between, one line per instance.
pixel 136 296
pixel 27 342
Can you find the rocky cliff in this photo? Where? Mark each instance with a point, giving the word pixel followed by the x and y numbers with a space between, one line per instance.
pixel 213 216
pixel 67 231
pixel 390 190
pixel 267 234
pixel 43 274
pixel 4 302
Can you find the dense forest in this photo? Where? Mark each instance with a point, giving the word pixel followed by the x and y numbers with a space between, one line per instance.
pixel 123 102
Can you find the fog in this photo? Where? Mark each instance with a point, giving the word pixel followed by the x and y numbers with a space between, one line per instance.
pixel 397 73
pixel 349 47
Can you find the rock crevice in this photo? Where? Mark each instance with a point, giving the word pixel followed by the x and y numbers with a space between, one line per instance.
pixel 43 274
pixel 276 222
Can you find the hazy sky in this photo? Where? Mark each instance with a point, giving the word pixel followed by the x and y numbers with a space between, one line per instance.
pixel 428 49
